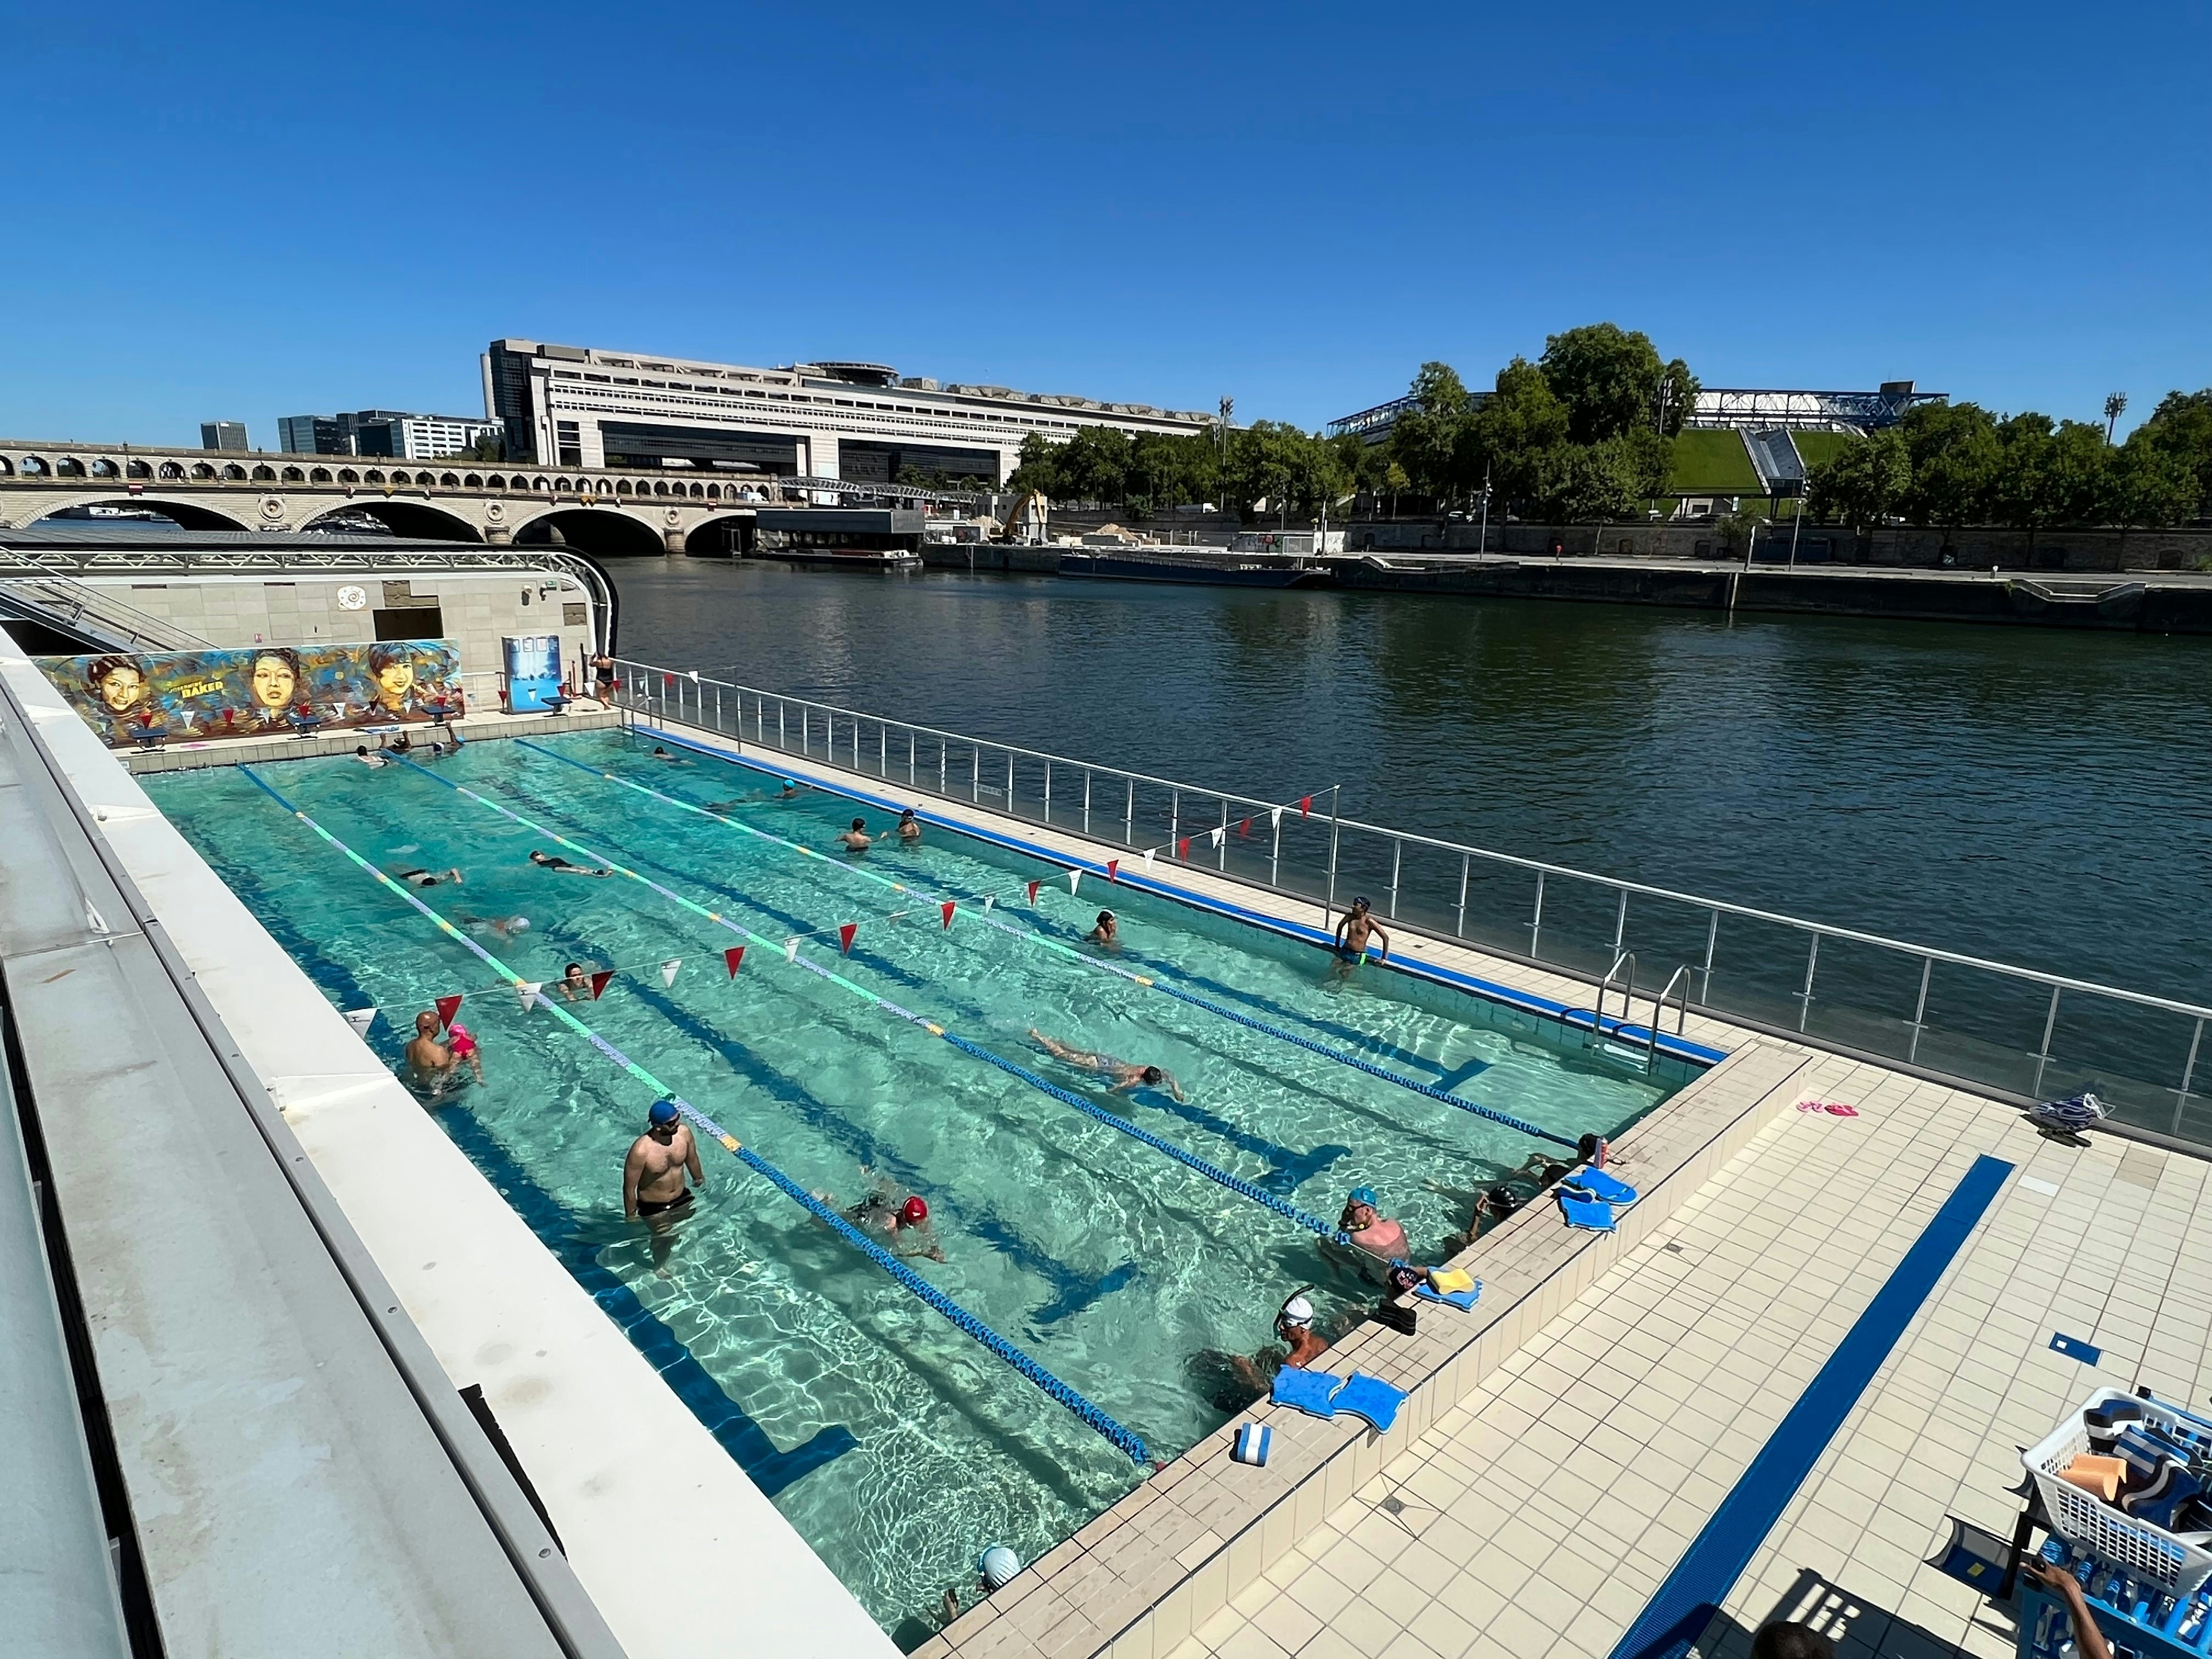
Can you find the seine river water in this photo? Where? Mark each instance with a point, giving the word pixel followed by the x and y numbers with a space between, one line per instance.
pixel 2038 796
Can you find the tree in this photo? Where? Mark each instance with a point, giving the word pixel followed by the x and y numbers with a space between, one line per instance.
pixel 1862 483
pixel 2149 485
pixel 2181 427
pixel 1610 380
pixel 1645 456
pixel 491 446
pixel 1169 469
pixel 1517 426
pixel 1584 483
pixel 1039 467
pixel 1094 465
pixel 1955 458
pixel 1294 472
pixel 2020 496
pixel 2076 476
pixel 1425 439
pixel 2116 404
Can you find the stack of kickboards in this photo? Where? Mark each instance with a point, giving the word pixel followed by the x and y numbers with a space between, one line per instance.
pixel 2150 1462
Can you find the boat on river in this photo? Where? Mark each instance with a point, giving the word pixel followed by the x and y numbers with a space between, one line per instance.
pixel 1192 564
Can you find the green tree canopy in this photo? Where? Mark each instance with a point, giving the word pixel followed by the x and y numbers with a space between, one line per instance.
pixel 1955 457
pixel 2151 485
pixel 1275 462
pixel 1862 483
pixel 2181 428
pixel 1610 379
pixel 1508 438
pixel 1425 439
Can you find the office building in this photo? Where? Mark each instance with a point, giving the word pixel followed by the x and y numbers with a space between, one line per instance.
pixel 223 435
pixel 311 434
pixel 391 432
pixel 575 406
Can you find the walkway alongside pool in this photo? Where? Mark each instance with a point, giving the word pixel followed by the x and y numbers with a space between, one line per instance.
pixel 1542 1508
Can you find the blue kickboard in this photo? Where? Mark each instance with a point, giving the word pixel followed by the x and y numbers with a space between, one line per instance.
pixel 1371 1399
pixel 1310 1391
pixel 1460 1299
pixel 1589 1213
pixel 1598 1184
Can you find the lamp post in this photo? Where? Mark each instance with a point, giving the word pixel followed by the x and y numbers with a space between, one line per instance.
pixel 1482 543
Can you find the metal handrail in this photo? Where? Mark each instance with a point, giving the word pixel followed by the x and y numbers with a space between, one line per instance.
pixel 1627 995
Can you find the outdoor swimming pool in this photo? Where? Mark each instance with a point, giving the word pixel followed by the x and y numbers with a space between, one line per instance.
pixel 898 1447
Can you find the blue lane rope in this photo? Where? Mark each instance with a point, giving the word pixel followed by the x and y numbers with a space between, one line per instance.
pixel 1235 1183
pixel 1414 1084
pixel 959 1317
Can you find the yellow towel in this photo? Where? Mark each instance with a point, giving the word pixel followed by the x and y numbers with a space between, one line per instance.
pixel 1451 1278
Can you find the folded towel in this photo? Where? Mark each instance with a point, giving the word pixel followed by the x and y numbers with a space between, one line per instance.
pixel 1598 1184
pixel 1451 1278
pixel 1460 1299
pixel 1371 1399
pixel 1253 1442
pixel 1589 1213
pixel 1310 1392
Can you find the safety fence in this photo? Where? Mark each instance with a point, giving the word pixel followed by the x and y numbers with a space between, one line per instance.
pixel 2017 1032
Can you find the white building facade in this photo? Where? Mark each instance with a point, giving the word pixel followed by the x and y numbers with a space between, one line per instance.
pixel 581 407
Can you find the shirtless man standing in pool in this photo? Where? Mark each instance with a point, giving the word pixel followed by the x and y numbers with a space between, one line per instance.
pixel 1354 929
pixel 653 1188
pixel 1126 1074
pixel 430 1062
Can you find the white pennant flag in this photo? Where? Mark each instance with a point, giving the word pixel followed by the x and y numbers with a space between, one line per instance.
pixel 668 970
pixel 791 949
pixel 989 899
pixel 1074 876
pixel 1215 836
pixel 1275 818
pixel 1147 856
pixel 361 1019
pixel 528 991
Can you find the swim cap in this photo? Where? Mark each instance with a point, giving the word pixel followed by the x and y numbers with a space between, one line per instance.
pixel 998 1565
pixel 664 1111
pixel 914 1210
pixel 1364 1195
pixel 1298 1312
pixel 520 925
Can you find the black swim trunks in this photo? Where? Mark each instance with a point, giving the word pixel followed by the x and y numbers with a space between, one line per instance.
pixel 652 1207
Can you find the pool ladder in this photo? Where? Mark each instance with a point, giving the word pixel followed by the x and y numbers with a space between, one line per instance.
pixel 1623 972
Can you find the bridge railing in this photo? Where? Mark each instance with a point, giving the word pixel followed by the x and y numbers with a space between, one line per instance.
pixel 2019 1033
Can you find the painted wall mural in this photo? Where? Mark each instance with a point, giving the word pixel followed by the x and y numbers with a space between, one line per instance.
pixel 187 697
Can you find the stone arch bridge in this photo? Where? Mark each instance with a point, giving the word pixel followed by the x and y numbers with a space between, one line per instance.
pixel 648 511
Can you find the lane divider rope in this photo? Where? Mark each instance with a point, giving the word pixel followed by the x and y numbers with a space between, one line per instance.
pixel 1265 1028
pixel 1213 1172
pixel 1092 1416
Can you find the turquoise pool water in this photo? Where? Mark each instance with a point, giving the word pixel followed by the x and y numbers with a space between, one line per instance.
pixel 897 1447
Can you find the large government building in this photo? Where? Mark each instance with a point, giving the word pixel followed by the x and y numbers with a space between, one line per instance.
pixel 581 407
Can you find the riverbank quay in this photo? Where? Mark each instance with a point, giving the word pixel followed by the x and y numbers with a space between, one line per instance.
pixel 1830 1263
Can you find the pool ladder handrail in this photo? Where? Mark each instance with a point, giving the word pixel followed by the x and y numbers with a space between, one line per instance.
pixel 1677 990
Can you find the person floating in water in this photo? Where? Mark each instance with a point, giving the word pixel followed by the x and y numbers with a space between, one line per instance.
pixel 909 827
pixel 575 983
pixel 660 754
pixel 1105 932
pixel 1354 929
pixel 1370 1229
pixel 857 839
pixel 653 1188
pixel 896 1218
pixel 500 927
pixel 1126 1074
pixel 360 753
pixel 554 861
pixel 415 878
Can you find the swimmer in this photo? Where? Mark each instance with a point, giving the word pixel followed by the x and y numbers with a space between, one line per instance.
pixel 903 1220
pixel 1542 1169
pixel 398 744
pixel 430 1061
pixel 360 753
pixel 909 827
pixel 464 1047
pixel 1302 1347
pixel 554 861
pixel 575 983
pixel 1126 1074
pixel 427 877
pixel 660 754
pixel 1106 932
pixel 653 1188
pixel 1354 929
pixel 790 790
pixel 500 927
pixel 857 839
pixel 1370 1229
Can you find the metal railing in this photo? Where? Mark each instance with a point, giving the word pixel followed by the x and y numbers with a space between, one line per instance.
pixel 82 606
pixel 2019 1033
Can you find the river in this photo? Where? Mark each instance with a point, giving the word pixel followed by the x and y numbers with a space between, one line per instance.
pixel 2039 797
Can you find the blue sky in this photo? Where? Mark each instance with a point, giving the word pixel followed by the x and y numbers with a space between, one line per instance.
pixel 245 212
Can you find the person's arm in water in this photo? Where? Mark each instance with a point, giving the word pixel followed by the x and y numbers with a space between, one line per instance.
pixel 691 1162
pixel 633 1172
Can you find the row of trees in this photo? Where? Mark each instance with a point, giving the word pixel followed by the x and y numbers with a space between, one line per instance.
pixel 1949 464
pixel 1293 471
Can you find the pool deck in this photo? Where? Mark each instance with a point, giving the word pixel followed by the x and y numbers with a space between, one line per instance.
pixel 1566 1446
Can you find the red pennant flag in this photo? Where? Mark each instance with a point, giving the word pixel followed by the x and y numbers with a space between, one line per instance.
pixel 667 679
pixel 599 981
pixel 734 955
pixel 946 910
pixel 845 933
pixel 1245 827
pixel 1113 869
pixel 1305 805
pixel 447 1007
pixel 1182 849
pixel 1033 887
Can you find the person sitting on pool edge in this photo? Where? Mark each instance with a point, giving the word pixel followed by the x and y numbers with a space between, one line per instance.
pixel 857 839
pixel 1126 1074
pixel 1354 929
pixel 909 827
pixel 1370 1229
pixel 653 1186
pixel 1106 933
pixel 555 862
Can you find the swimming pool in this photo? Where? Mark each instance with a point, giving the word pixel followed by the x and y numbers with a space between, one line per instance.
pixel 898 1447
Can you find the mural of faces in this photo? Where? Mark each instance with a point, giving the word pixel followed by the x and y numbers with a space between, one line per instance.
pixel 120 683
pixel 275 679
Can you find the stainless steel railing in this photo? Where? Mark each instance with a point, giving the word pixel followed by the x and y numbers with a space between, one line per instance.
pixel 2018 1032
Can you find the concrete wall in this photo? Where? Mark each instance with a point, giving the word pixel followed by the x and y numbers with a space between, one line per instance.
pixel 472 610
pixel 1972 548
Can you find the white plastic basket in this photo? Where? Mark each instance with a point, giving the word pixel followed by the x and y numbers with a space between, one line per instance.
pixel 2153 1554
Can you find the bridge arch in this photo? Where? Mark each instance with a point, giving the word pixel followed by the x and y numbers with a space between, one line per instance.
pixel 415 518
pixel 190 514
pixel 601 532
pixel 722 537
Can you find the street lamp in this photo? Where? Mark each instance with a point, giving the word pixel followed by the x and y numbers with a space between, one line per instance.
pixel 1482 545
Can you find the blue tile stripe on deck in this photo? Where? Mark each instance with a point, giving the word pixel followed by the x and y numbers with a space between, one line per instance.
pixel 1716 1557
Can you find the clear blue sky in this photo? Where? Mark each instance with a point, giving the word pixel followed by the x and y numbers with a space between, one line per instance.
pixel 245 212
